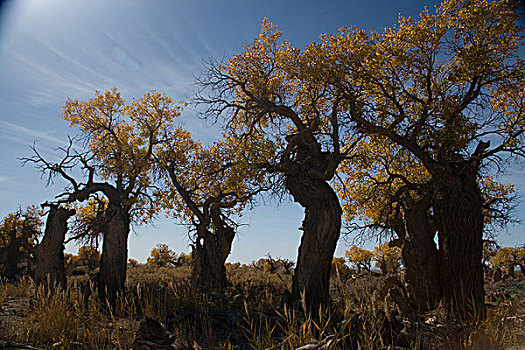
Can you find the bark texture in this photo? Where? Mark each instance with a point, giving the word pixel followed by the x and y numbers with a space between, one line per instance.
pixel 457 204
pixel 210 252
pixel 321 229
pixel 113 262
pixel 420 258
pixel 49 254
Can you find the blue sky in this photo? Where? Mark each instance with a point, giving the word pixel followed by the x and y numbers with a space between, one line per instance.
pixel 54 49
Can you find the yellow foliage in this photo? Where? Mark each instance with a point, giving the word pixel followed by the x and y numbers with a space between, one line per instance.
pixel 508 257
pixel 387 258
pixel 21 227
pixel 122 139
pixel 434 87
pixel 221 174
pixel 162 255
pixel 88 256
pixel 359 257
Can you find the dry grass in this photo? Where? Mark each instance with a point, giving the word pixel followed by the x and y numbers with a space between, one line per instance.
pixel 248 316
pixel 64 319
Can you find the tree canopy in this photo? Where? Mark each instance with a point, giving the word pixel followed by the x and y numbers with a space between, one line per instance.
pixel 444 94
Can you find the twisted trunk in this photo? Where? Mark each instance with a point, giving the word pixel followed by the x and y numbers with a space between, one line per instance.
pixel 113 262
pixel 321 229
pixel 210 252
pixel 49 254
pixel 457 204
pixel 420 258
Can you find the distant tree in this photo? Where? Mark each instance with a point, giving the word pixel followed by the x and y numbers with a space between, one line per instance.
pixel 490 249
pixel 19 232
pixel 133 263
pixel 261 264
pixel 88 256
pixel 205 188
pixel 521 259
pixel 162 255
pixel 184 259
pixel 119 141
pixel 387 257
pixel 339 265
pixel 509 258
pixel 50 267
pixel 88 226
pixel 359 258
pixel 273 265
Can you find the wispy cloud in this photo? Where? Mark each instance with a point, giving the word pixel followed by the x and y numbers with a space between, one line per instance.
pixel 35 134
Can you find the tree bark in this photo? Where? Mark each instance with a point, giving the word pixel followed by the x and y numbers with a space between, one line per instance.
pixel 457 204
pixel 420 258
pixel 12 257
pixel 49 254
pixel 210 251
pixel 113 262
pixel 321 229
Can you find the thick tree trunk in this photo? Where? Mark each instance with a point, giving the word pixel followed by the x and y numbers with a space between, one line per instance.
pixel 457 204
pixel 420 258
pixel 321 229
pixel 12 258
pixel 49 254
pixel 208 272
pixel 113 262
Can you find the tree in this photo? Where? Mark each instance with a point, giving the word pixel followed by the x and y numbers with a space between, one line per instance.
pixel 184 259
pixel 509 258
pixel 117 159
pixel 266 93
pixel 205 188
pixel 88 225
pixel 162 255
pixel 50 267
pixel 360 258
pixel 339 266
pixel 387 190
pixel 133 262
pixel 489 251
pixel 448 88
pixel 19 232
pixel 387 257
pixel 88 256
pixel 273 265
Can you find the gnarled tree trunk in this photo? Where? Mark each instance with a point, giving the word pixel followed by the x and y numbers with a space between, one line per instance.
pixel 420 258
pixel 49 254
pixel 457 204
pixel 208 273
pixel 321 229
pixel 113 262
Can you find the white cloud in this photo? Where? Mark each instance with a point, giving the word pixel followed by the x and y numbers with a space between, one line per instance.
pixel 35 134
